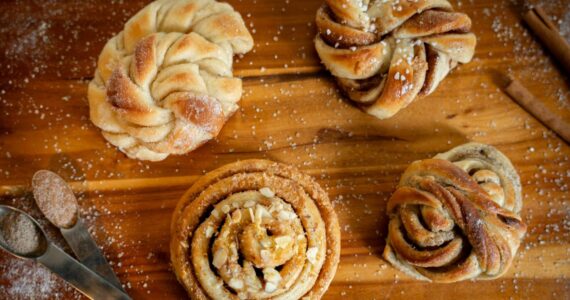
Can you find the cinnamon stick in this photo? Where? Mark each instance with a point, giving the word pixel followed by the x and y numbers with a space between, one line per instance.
pixel 536 108
pixel 548 34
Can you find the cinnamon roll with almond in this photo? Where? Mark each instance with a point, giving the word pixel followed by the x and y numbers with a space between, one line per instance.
pixel 255 229
pixel 456 216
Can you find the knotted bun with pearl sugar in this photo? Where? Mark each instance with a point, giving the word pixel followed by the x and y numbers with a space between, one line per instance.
pixel 255 229
pixel 456 216
pixel 385 53
pixel 164 84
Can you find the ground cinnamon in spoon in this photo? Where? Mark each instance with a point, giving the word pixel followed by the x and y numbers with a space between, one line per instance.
pixel 20 233
pixel 55 199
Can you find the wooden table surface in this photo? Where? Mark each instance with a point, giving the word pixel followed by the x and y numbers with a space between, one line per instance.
pixel 290 112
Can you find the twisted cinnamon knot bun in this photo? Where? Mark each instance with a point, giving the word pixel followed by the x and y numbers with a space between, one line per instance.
pixel 164 85
pixel 456 216
pixel 385 53
pixel 255 229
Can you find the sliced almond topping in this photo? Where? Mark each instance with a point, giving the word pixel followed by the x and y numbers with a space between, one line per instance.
pixel 265 255
pixel 209 231
pixel 275 206
pixel 286 215
pixel 236 216
pixel 271 275
pixel 249 204
pixel 266 243
pixel 267 192
pixel 270 287
pixel 312 255
pixel 220 258
pixel 226 209
pixel 236 284
pixel 283 241
pixel 260 213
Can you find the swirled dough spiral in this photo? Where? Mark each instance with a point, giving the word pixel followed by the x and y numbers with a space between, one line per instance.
pixel 164 84
pixel 385 53
pixel 456 217
pixel 255 229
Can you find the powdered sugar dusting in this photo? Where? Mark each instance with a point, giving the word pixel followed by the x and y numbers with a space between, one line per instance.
pixel 564 23
pixel 28 280
pixel 20 233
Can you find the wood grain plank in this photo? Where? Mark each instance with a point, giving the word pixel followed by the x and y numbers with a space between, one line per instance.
pixel 291 112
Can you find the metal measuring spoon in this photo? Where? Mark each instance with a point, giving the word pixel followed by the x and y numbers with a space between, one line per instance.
pixel 46 253
pixel 57 202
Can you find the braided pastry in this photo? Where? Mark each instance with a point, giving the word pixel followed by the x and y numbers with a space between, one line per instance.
pixel 384 53
pixel 164 84
pixel 456 216
pixel 255 229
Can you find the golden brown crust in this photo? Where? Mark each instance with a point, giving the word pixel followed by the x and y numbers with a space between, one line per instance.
pixel 164 84
pixel 338 34
pixel 366 57
pixel 433 22
pixel 456 217
pixel 222 197
pixel 404 80
pixel 481 157
pixel 377 49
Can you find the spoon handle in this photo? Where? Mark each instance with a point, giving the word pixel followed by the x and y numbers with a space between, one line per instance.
pixel 87 252
pixel 82 278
